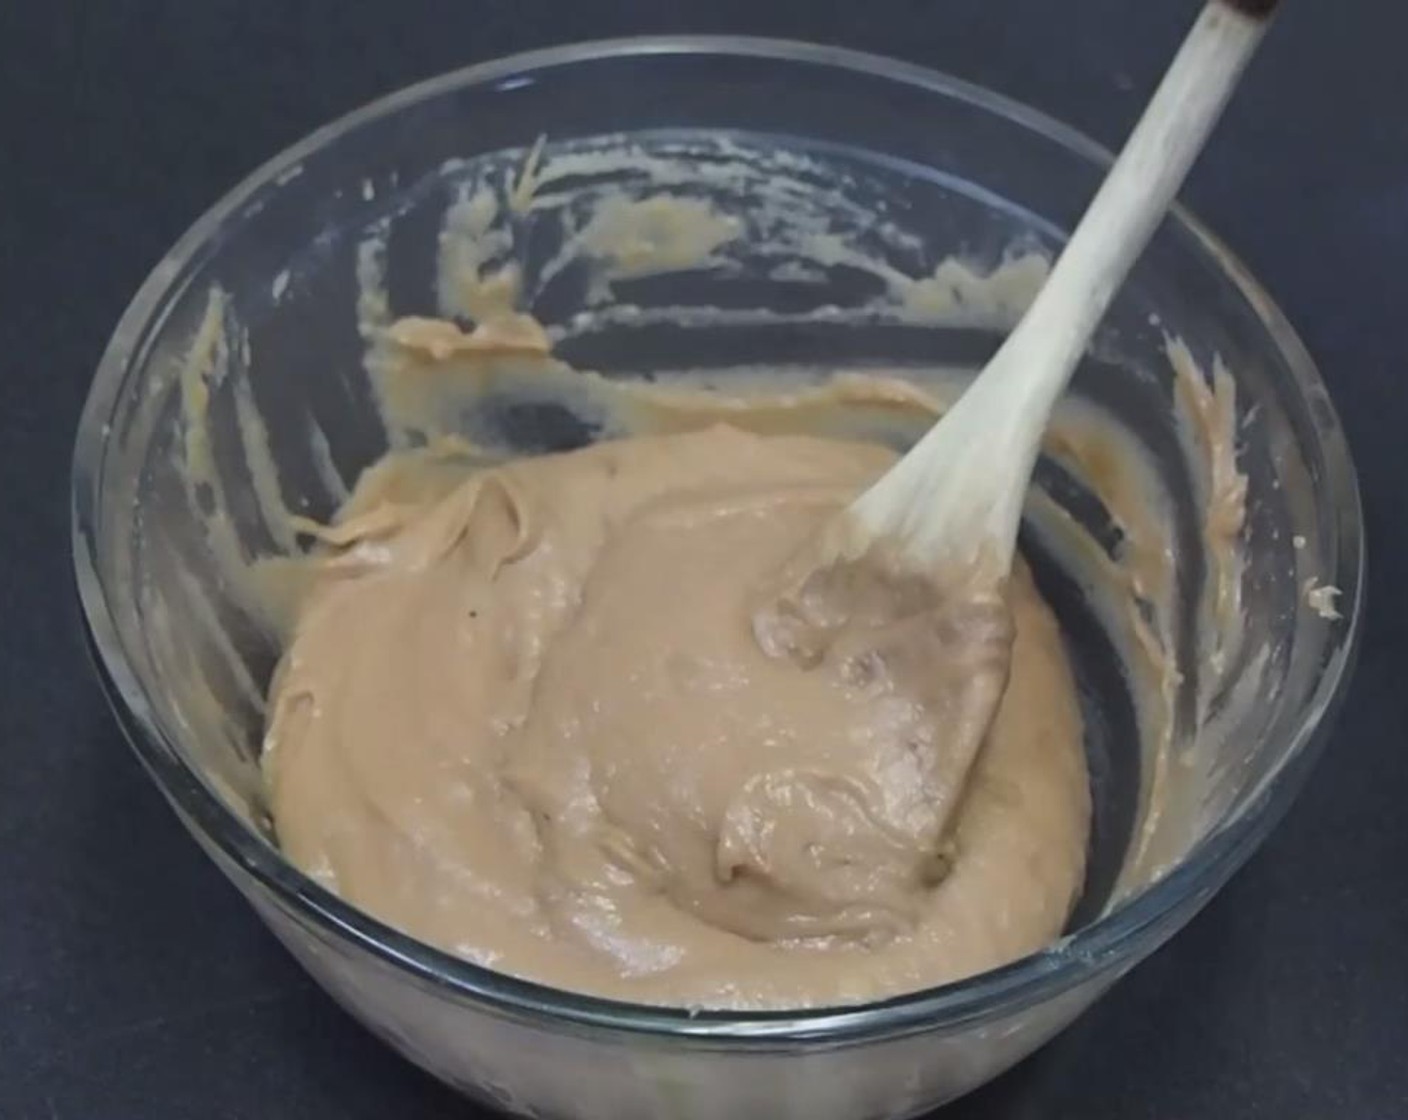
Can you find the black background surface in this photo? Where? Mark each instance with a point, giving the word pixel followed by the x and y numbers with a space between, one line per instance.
pixel 135 983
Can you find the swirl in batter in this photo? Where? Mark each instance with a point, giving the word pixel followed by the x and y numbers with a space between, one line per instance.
pixel 569 717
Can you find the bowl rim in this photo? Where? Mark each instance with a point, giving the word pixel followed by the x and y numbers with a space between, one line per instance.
pixel 1091 950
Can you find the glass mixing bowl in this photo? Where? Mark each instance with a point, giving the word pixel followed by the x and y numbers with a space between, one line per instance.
pixel 965 172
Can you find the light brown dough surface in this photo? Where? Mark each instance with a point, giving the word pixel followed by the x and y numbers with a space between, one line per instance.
pixel 548 717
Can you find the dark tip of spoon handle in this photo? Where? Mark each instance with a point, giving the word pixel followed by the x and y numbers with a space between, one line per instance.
pixel 1257 9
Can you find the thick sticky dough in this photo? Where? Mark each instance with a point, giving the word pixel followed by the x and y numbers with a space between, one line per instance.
pixel 537 718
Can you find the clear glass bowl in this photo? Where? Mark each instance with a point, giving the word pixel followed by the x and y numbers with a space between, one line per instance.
pixel 977 175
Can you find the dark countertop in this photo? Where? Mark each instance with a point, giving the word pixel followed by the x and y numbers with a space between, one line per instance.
pixel 133 980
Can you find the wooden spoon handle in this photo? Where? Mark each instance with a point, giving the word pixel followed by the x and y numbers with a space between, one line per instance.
pixel 956 497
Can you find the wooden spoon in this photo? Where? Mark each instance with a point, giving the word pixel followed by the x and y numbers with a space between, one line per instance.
pixel 954 502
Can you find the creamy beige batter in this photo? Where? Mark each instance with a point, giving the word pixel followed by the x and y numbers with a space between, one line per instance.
pixel 566 717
